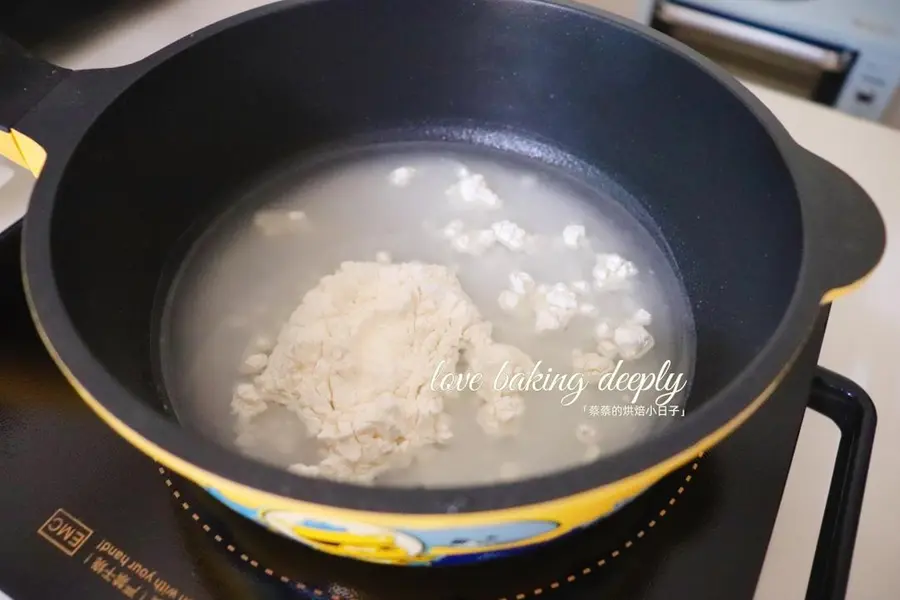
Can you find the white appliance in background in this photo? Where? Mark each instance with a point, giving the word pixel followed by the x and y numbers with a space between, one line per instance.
pixel 842 53
pixel 15 188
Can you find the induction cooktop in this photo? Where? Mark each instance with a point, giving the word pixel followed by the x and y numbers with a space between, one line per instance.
pixel 87 516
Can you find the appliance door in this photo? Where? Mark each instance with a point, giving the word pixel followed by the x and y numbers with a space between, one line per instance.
pixel 755 54
pixel 15 189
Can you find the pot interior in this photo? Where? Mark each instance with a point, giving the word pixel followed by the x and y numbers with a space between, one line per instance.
pixel 568 88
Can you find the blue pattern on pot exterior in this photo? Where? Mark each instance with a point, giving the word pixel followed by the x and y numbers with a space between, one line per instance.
pixel 408 546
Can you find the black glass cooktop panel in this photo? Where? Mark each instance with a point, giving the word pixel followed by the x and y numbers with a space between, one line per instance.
pixel 85 515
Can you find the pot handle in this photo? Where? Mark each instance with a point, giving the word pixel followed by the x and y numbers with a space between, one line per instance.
pixel 847 229
pixel 27 80
pixel 853 411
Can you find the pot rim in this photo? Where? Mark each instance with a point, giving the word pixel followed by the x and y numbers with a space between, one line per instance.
pixel 186 453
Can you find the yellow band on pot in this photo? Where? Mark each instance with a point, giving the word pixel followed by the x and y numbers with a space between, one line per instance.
pixel 22 150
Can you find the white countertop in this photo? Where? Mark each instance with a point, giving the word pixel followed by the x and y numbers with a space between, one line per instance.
pixel 859 341
pixel 863 332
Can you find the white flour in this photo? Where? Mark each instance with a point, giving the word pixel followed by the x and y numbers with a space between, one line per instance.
pixel 308 334
pixel 355 362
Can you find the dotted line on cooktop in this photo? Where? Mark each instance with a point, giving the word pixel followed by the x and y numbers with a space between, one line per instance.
pixel 520 596
pixel 602 562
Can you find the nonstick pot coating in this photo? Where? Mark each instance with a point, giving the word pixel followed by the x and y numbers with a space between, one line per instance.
pixel 546 81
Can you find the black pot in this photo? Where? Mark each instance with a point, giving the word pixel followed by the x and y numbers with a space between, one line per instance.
pixel 762 231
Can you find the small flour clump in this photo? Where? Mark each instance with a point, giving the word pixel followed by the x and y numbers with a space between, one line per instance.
pixel 612 272
pixel 355 360
pixel 473 189
pixel 573 236
pixel 401 176
pixel 474 242
pixel 510 235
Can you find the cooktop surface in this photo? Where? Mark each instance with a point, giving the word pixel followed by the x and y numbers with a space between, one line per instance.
pixel 85 515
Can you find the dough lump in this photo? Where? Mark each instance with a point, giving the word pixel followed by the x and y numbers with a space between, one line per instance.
pixel 355 363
